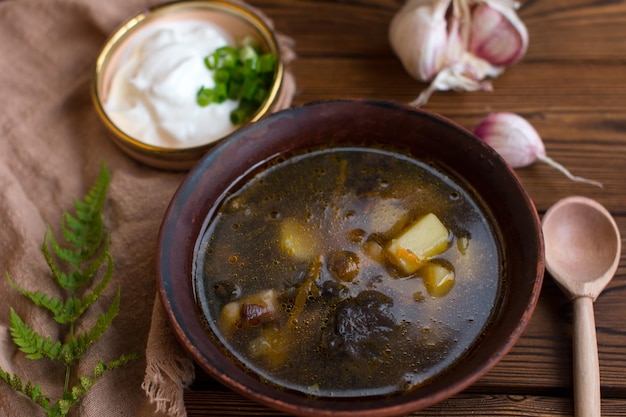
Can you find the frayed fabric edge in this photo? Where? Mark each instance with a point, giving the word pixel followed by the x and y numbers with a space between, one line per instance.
pixel 164 384
pixel 168 370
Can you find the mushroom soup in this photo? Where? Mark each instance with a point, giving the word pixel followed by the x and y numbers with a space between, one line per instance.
pixel 349 271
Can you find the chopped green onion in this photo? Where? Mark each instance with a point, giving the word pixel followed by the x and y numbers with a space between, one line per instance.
pixel 221 76
pixel 204 96
pixel 221 93
pixel 238 116
pixel 247 52
pixel 251 65
pixel 237 75
pixel 249 41
pixel 210 62
pixel 228 56
pixel 243 74
pixel 259 95
pixel 234 90
pixel 243 113
pixel 267 62
pixel 249 87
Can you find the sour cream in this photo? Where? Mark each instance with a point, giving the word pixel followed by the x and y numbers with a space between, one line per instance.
pixel 153 94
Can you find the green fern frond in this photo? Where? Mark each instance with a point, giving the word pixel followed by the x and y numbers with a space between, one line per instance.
pixel 52 304
pixel 32 391
pixel 71 256
pixel 30 342
pixel 96 197
pixel 72 267
pixel 85 383
pixel 88 272
pixel 84 231
pixel 13 380
pixel 85 243
pixel 86 224
pixel 69 281
pixel 104 367
pixel 82 342
pixel 62 407
pixel 58 275
pixel 73 308
pixel 90 298
pixel 75 279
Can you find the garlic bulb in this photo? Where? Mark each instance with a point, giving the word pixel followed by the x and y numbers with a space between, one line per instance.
pixel 519 144
pixel 457 44
pixel 422 23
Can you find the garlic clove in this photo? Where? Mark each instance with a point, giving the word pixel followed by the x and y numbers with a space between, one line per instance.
pixel 512 136
pixel 497 33
pixel 418 35
pixel 519 144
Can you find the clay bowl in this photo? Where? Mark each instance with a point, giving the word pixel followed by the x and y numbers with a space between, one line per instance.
pixel 425 135
pixel 235 19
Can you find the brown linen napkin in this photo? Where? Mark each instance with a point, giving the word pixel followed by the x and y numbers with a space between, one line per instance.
pixel 51 146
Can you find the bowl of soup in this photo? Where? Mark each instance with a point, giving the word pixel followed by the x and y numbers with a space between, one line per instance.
pixel 350 258
pixel 174 79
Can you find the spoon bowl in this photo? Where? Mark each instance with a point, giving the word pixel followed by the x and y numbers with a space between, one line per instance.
pixel 583 246
pixel 582 249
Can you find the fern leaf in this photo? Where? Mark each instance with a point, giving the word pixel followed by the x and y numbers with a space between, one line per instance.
pixel 82 342
pixel 84 384
pixel 103 367
pixel 88 215
pixel 30 342
pixel 81 305
pixel 68 281
pixel 13 380
pixel 80 278
pixel 69 225
pixel 63 312
pixel 70 256
pixel 97 195
pixel 52 304
pixel 62 407
pixel 59 275
pixel 84 231
pixel 76 278
pixel 32 391
pixel 72 266
pixel 75 307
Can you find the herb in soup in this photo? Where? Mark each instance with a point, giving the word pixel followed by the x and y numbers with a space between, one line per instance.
pixel 349 272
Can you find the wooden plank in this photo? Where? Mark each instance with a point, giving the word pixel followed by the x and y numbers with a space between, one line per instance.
pixel 586 29
pixel 227 403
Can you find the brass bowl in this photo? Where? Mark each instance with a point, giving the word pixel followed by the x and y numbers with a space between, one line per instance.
pixel 234 19
pixel 423 135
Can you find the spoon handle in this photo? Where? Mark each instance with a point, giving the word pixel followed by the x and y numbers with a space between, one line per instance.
pixel 586 363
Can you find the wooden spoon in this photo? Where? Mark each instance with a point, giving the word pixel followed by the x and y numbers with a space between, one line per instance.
pixel 582 249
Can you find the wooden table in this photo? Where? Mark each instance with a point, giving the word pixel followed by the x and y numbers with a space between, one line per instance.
pixel 572 87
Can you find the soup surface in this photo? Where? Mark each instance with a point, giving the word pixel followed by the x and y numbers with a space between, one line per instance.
pixel 348 272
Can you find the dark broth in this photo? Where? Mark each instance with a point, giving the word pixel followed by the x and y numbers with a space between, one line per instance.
pixel 368 329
